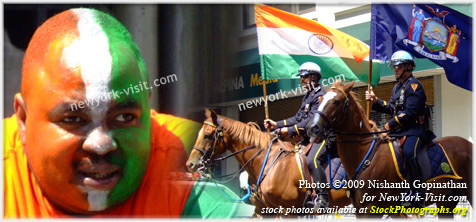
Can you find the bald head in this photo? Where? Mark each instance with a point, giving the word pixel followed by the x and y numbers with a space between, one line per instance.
pixel 83 120
pixel 76 39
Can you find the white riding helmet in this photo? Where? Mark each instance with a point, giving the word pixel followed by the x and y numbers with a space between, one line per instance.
pixel 400 57
pixel 309 68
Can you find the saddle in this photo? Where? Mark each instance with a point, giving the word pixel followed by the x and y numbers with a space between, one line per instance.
pixel 432 157
pixel 336 170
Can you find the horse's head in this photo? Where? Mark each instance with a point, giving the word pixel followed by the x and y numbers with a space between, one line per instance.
pixel 209 143
pixel 332 109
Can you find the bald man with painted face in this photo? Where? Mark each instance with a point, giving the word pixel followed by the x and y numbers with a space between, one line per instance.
pixel 78 143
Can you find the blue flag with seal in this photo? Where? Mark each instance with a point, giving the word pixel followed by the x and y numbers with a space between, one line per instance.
pixel 431 31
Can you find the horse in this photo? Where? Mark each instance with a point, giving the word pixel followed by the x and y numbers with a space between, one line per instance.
pixel 379 188
pixel 278 192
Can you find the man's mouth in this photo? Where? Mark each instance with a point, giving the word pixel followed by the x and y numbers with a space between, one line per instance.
pixel 99 176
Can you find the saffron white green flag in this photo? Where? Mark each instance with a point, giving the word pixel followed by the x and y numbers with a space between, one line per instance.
pixel 285 41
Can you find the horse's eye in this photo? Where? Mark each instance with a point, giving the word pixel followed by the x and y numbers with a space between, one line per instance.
pixel 336 102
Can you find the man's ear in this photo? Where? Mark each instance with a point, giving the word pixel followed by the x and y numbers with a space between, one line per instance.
pixel 20 111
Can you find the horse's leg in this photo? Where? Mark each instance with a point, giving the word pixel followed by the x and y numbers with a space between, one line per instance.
pixel 258 213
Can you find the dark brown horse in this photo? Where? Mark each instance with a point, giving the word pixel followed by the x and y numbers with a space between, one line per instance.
pixel 339 112
pixel 280 187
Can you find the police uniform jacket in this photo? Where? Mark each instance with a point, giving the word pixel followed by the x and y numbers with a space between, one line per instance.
pixel 407 105
pixel 297 124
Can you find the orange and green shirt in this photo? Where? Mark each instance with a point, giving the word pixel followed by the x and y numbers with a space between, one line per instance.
pixel 158 196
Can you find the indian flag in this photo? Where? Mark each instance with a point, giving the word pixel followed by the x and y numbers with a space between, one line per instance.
pixel 286 41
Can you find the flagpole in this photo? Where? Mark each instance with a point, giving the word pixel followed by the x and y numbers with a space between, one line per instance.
pixel 266 111
pixel 368 87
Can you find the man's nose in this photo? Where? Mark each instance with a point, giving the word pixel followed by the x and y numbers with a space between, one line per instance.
pixel 99 141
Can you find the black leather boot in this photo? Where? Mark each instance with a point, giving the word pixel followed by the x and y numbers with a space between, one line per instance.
pixel 321 200
pixel 417 195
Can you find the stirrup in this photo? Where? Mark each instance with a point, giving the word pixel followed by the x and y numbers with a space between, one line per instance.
pixel 319 203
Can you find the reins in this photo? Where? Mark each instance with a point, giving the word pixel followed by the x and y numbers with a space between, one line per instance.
pixel 330 133
pixel 207 154
pixel 218 137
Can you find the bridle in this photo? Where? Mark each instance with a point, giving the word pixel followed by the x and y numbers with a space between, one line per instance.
pixel 217 137
pixel 329 131
pixel 206 161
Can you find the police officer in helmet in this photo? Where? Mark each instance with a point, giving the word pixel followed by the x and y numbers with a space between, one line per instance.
pixel 407 107
pixel 295 126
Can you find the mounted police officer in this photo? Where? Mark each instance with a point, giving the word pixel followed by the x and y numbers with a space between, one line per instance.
pixel 310 74
pixel 407 107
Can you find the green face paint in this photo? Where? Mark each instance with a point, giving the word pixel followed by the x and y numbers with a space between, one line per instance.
pixel 134 142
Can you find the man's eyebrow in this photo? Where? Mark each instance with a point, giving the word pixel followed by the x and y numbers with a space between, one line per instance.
pixel 65 107
pixel 128 104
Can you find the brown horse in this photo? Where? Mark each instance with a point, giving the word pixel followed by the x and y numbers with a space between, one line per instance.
pixel 279 190
pixel 340 113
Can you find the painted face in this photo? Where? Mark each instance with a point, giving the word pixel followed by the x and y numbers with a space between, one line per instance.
pixel 88 122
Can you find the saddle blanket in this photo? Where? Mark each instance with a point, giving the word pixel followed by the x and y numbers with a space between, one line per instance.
pixel 433 160
pixel 336 171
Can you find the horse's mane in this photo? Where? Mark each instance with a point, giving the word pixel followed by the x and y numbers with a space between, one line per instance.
pixel 373 125
pixel 357 100
pixel 246 133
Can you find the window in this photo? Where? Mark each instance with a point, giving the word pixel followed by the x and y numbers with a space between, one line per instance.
pixel 249 20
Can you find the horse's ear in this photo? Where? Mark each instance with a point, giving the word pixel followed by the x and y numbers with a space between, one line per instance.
pixel 349 86
pixel 208 113
pixel 211 114
pixel 337 82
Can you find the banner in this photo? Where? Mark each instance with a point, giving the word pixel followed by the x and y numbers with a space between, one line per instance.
pixel 431 31
pixel 285 41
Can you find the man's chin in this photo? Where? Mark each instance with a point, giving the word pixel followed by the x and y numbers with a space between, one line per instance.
pixel 81 210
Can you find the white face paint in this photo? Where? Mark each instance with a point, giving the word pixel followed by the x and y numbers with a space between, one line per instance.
pixel 99 141
pixel 96 198
pixel 327 97
pixel 90 54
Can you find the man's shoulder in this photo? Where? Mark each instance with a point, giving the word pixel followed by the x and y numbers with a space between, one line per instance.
pixel 11 138
pixel 166 125
pixel 176 125
pixel 414 85
pixel 167 119
pixel 318 91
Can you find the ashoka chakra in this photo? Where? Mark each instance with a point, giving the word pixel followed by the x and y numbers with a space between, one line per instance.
pixel 320 44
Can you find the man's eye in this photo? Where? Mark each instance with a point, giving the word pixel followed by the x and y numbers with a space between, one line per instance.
pixel 125 117
pixel 72 119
